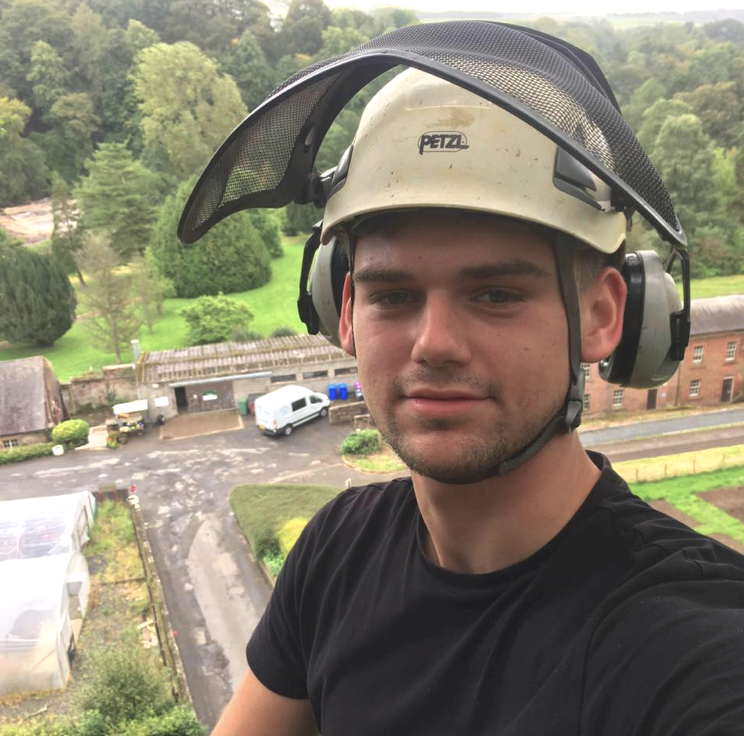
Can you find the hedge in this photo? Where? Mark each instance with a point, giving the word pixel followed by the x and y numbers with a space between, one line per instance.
pixel 25 452
pixel 72 432
pixel 364 442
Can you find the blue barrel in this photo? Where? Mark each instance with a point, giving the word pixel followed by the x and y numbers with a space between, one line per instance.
pixel 343 391
pixel 332 393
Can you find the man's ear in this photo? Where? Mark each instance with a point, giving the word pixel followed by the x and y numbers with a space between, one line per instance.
pixel 602 308
pixel 345 327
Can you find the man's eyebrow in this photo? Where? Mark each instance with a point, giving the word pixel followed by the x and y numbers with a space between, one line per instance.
pixel 381 275
pixel 516 267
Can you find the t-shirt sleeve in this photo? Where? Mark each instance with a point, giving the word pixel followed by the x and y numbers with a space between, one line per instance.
pixel 666 665
pixel 274 651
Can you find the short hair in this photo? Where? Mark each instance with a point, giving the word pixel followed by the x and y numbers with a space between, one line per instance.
pixel 589 263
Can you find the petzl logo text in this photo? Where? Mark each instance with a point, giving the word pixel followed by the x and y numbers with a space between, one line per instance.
pixel 442 141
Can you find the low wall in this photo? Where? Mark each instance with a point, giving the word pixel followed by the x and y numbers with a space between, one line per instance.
pixel 114 384
pixel 345 413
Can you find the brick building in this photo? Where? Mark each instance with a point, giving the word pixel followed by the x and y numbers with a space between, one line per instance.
pixel 712 372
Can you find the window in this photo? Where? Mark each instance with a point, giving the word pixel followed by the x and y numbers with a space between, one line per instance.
pixel 731 351
pixel 617 397
pixel 587 402
pixel 7 444
pixel 345 371
pixel 315 374
pixel 697 353
pixel 694 388
pixel 587 368
pixel 283 379
pixel 299 404
pixel 316 400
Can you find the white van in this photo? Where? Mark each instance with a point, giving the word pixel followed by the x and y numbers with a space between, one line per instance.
pixel 280 411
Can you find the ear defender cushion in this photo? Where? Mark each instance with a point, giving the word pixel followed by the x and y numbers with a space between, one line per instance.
pixel 327 286
pixel 642 358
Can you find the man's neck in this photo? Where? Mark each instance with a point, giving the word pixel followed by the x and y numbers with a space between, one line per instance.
pixel 491 525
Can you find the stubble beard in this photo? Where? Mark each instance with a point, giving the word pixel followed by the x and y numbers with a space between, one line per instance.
pixel 473 458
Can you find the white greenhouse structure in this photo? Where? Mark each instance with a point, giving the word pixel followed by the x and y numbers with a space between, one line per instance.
pixel 50 525
pixel 44 586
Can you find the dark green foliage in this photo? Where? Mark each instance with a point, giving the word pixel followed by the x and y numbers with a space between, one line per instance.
pixel 216 319
pixel 303 26
pixel 73 432
pixel 127 683
pixel 37 301
pixel 246 63
pixel 267 226
pixel 116 199
pixel 300 218
pixel 67 235
pixel 283 332
pixel 230 258
pixel 364 442
pixel 25 452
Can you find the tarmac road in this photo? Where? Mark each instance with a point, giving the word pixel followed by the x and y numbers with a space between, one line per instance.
pixel 214 590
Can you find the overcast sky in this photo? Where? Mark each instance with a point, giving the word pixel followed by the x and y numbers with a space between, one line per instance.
pixel 581 7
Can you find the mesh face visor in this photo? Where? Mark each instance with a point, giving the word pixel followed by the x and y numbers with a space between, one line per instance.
pixel 551 85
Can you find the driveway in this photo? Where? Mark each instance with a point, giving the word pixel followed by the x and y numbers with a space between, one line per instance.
pixel 214 590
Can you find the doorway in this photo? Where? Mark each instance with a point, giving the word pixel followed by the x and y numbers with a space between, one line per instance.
pixel 651 398
pixel 727 390
pixel 182 402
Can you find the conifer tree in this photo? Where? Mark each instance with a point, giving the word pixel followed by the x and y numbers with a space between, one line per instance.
pixel 111 306
pixel 37 302
pixel 116 199
pixel 67 236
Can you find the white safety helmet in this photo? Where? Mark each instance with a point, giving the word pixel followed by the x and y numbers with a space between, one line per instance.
pixel 425 142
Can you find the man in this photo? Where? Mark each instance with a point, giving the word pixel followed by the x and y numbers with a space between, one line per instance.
pixel 512 585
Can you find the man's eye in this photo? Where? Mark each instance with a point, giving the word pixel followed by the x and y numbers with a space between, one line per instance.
pixel 496 296
pixel 393 298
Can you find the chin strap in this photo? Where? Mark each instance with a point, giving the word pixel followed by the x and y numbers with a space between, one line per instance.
pixel 569 417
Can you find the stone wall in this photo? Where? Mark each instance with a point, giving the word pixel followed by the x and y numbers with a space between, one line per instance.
pixel 114 384
pixel 344 412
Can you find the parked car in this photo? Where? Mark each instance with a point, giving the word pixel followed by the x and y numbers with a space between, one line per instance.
pixel 280 411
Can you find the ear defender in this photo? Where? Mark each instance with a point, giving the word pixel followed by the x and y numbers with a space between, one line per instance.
pixel 655 326
pixel 320 305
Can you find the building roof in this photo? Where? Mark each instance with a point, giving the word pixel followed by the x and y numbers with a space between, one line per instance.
pixel 235 358
pixel 719 314
pixel 22 395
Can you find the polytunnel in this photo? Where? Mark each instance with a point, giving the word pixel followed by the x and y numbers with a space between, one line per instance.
pixel 44 602
pixel 49 525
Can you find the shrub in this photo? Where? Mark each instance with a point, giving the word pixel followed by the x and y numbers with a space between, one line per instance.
pixel 274 561
pixel 25 452
pixel 179 721
pixel 283 332
pixel 268 228
pixel 289 534
pixel 73 432
pixel 215 319
pixel 126 683
pixel 364 442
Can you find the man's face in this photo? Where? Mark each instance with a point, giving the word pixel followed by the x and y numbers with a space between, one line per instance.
pixel 461 339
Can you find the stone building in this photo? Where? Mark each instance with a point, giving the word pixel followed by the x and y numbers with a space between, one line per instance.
pixel 219 376
pixel 30 401
pixel 711 374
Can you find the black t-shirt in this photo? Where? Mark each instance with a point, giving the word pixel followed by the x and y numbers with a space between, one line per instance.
pixel 626 623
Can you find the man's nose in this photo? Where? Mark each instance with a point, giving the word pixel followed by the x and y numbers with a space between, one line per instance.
pixel 441 335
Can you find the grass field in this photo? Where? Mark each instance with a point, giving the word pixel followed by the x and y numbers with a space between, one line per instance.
pixel 685 463
pixel 717 286
pixel 273 305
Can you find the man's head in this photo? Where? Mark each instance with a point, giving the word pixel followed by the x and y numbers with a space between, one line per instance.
pixel 460 332
pixel 445 196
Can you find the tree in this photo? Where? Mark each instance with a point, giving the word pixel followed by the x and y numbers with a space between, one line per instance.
pixel 268 230
pixel 302 28
pixel 147 285
pixel 36 299
pixel 338 41
pixel 719 109
pixel 230 257
pixel 187 106
pixel 655 117
pixel 645 96
pixel 24 173
pixel 70 142
pixel 247 65
pixel 216 319
pixel 111 320
pixel 67 237
pixel 116 199
pixel 48 76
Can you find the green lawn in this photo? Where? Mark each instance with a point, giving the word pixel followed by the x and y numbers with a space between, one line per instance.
pixel 717 286
pixel 683 492
pixel 273 305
